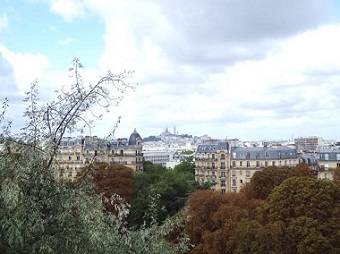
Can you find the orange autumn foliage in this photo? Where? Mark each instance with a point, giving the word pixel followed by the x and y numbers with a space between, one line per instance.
pixel 110 180
pixel 213 217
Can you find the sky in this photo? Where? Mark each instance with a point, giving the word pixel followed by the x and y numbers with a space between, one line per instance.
pixel 246 69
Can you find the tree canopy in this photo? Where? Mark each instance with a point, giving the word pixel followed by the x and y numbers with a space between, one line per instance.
pixel 214 218
pixel 306 212
pixel 167 189
pixel 42 214
pixel 109 181
pixel 263 182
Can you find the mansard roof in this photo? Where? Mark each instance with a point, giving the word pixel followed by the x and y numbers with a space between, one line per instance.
pixel 213 147
pixel 265 153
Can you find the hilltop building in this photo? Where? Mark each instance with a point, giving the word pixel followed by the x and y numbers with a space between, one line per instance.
pixel 76 153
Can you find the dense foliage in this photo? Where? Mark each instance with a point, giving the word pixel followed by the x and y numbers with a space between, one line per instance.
pixel 167 189
pixel 263 182
pixel 40 213
pixel 300 216
pixel 214 218
pixel 109 181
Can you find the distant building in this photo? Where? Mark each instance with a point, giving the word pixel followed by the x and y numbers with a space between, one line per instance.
pixel 228 168
pixel 212 165
pixel 75 153
pixel 328 160
pixel 308 143
pixel 245 161
pixel 160 157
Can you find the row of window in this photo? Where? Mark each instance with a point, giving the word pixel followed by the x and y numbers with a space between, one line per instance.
pixel 326 157
pixel 258 164
pixel 247 164
pixel 259 155
pixel 213 156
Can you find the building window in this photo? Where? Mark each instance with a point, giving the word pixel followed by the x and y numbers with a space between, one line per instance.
pixel 222 183
pixel 234 164
pixel 247 173
pixel 222 156
pixel 233 173
pixel 69 158
pixel 248 164
pixel 241 181
pixel 240 163
pixel 222 165
pixel 266 163
pixel 257 164
pixel 273 163
pixel 222 191
pixel 78 158
pixel 121 152
pixel 222 174
pixel 234 182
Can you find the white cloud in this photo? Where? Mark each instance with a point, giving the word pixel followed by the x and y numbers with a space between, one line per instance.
pixel 26 67
pixel 3 20
pixel 69 9
pixel 265 69
pixel 65 42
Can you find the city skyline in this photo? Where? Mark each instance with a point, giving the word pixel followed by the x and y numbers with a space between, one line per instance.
pixel 253 71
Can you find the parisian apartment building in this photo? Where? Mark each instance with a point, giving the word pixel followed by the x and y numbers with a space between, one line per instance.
pixel 77 152
pixel 229 168
pixel 229 165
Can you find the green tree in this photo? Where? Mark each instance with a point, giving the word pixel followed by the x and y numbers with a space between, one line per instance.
pixel 307 211
pixel 171 188
pixel 187 165
pixel 39 214
pixel 263 182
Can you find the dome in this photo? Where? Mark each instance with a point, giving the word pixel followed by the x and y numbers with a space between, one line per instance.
pixel 134 138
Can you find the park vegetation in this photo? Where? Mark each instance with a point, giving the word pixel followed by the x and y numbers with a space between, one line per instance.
pixel 111 209
pixel 282 210
pixel 40 213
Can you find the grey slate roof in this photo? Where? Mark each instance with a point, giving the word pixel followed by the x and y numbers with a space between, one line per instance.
pixel 263 153
pixel 214 147
pixel 333 155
